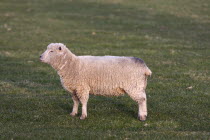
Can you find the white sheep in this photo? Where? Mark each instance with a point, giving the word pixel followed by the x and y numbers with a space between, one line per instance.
pixel 98 75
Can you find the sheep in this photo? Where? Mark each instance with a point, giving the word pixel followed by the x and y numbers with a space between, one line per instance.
pixel 98 75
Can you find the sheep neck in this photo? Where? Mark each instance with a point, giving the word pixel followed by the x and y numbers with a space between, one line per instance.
pixel 66 64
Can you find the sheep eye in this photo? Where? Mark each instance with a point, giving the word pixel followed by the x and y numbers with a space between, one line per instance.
pixel 51 51
pixel 59 48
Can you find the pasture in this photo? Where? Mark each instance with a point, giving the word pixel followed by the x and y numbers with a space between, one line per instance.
pixel 172 37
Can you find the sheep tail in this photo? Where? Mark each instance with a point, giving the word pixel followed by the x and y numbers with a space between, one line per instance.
pixel 148 72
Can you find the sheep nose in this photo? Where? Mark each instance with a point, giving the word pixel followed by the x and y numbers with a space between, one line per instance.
pixel 40 56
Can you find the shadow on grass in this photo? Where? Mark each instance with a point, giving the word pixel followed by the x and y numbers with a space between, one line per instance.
pixel 125 109
pixel 109 105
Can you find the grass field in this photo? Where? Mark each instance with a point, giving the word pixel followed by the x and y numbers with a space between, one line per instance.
pixel 173 37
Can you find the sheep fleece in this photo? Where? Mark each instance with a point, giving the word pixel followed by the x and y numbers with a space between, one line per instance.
pixel 99 75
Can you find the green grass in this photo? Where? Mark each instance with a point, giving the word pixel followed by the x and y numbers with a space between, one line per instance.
pixel 173 37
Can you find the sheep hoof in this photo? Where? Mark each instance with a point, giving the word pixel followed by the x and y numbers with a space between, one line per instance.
pixel 83 117
pixel 73 114
pixel 142 118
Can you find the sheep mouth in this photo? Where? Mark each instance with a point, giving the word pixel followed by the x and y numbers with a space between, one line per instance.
pixel 42 60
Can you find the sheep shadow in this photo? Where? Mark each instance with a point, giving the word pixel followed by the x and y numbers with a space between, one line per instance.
pixel 122 104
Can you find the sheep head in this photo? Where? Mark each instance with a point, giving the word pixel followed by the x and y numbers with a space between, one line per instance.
pixel 53 54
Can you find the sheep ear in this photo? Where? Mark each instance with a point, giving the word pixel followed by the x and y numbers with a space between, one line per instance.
pixel 59 48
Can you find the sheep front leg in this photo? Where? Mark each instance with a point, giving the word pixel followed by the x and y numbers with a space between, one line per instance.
pixel 84 99
pixel 75 106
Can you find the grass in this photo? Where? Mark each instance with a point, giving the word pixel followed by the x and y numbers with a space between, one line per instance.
pixel 173 38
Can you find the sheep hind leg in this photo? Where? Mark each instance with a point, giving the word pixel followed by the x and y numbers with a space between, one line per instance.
pixel 142 114
pixel 75 106
pixel 140 98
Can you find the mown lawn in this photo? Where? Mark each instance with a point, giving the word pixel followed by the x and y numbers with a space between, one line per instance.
pixel 173 37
